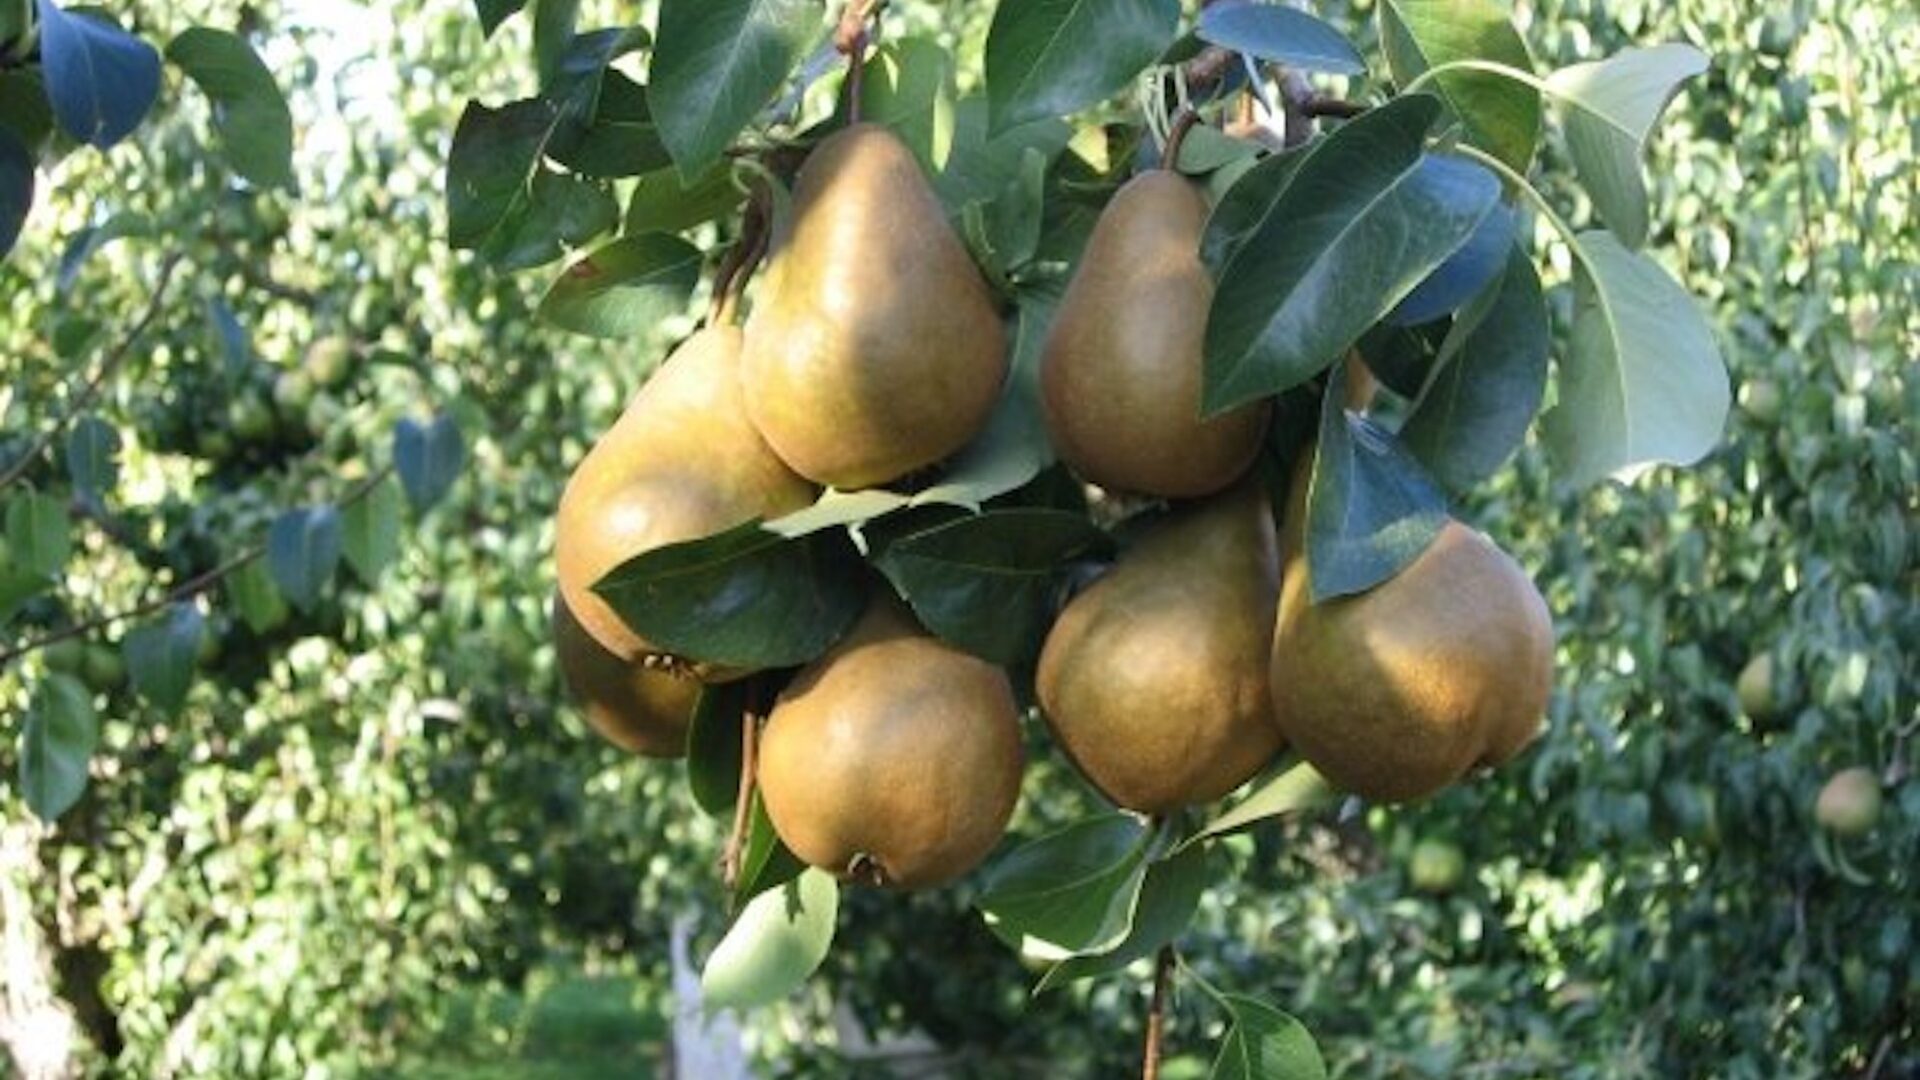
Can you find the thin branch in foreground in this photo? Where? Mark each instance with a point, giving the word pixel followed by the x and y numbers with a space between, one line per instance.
pixel 1157 1014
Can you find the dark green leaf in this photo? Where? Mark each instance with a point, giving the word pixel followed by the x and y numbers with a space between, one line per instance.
pixel 909 88
pixel 495 12
pixel 1264 1043
pixel 24 110
pixel 92 239
pixel 1501 116
pixel 1074 890
pixel 1282 34
pixel 236 350
pixel 1401 357
pixel 561 213
pixel 100 79
pixel 93 449
pixel 1643 381
pixel 256 597
pixel 370 532
pixel 56 742
pixel 1169 896
pixel 981 165
pixel 1371 508
pixel 765 863
pixel 16 189
pixel 1464 275
pixel 775 944
pixel 1050 58
pixel 661 202
pixel 619 138
pixel 719 62
pixel 624 289
pixel 745 597
pixel 1244 209
pixel 553 25
pixel 161 656
pixel 428 458
pixel 1475 411
pixel 1298 787
pixel 713 748
pixel 1367 215
pixel 1614 104
pixel 986 582
pixel 303 547
pixel 491 165
pixel 249 112
pixel 39 534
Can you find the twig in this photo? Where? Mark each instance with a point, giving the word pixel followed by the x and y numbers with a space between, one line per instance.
pixel 743 800
pixel 1156 1014
pixel 1177 137
pixel 193 586
pixel 114 358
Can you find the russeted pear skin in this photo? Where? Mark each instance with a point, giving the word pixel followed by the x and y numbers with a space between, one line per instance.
pixel 1397 692
pixel 1154 679
pixel 639 709
pixel 874 348
pixel 681 462
pixel 1121 371
pixel 894 759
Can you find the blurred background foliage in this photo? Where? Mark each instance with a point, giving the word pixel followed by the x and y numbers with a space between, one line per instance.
pixel 376 842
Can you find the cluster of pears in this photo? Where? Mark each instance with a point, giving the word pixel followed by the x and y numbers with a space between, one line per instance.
pixel 874 350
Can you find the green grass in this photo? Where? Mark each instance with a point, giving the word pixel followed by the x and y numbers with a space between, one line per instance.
pixel 572 1026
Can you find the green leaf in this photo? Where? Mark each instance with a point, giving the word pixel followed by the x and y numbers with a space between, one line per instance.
pixel 494 12
pixel 370 532
pixel 101 80
pixel 745 597
pixel 1365 218
pixel 1205 149
pixel 986 582
pixel 1643 382
pixel 983 163
pixel 1371 508
pixel 1264 1043
pixel 1615 103
pixel 625 288
pixel 256 597
pixel 1051 58
pixel 1169 897
pixel 16 188
pixel 1075 890
pixel 503 204
pixel 618 140
pixel 553 26
pixel 428 458
pixel 303 547
pixel 24 110
pixel 249 112
pixel 1501 116
pixel 716 64
pixel 38 534
pixel 1245 207
pixel 662 202
pixel 1281 34
pixel 161 656
pixel 93 450
pixel 94 237
pixel 1299 787
pixel 765 863
pixel 713 748
pixel 775 944
pixel 1492 372
pixel 908 88
pixel 1465 273
pixel 56 742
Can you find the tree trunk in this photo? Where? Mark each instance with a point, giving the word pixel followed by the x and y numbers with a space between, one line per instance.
pixel 37 1030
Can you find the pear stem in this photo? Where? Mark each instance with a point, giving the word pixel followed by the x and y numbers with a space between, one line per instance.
pixel 1176 137
pixel 1156 1014
pixel 851 37
pixel 737 267
pixel 743 802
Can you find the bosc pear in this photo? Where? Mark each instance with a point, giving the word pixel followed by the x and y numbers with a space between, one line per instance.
pixel 1397 692
pixel 895 758
pixel 637 708
pixel 681 462
pixel 1122 367
pixel 1154 679
pixel 874 348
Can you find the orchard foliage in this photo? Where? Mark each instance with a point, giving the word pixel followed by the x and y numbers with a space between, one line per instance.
pixel 366 772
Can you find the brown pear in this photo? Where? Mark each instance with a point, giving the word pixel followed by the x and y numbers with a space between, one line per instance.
pixel 1397 692
pixel 637 708
pixel 894 759
pixel 1121 372
pixel 1154 679
pixel 874 348
pixel 682 462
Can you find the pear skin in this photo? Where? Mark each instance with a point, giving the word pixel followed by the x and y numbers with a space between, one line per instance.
pixel 1154 679
pixel 637 708
pixel 1397 692
pixel 874 348
pixel 1121 371
pixel 895 758
pixel 681 462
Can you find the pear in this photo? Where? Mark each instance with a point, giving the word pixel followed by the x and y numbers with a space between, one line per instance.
pixel 874 348
pixel 1121 370
pixel 1154 679
pixel 681 462
pixel 637 708
pixel 1397 692
pixel 894 759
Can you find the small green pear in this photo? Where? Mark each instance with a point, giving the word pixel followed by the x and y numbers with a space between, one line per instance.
pixel 1154 679
pixel 1849 803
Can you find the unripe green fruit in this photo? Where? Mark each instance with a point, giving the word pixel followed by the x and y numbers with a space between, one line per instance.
pixel 1755 689
pixel 64 656
pixel 1764 400
pixel 213 443
pixel 104 670
pixel 250 417
pixel 1436 866
pixel 292 391
pixel 328 361
pixel 1849 804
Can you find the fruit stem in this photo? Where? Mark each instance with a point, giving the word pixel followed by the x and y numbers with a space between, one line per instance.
pixel 1176 135
pixel 743 801
pixel 1156 1014
pixel 851 37
pixel 736 268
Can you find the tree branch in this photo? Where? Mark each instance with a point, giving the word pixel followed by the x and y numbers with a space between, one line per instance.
pixel 743 801
pixel 92 390
pixel 1156 1014
pixel 189 589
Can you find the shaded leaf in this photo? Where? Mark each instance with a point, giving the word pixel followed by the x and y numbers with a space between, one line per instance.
pixel 1074 890
pixel 1298 787
pixel 93 450
pixel 1264 1043
pixel 370 532
pixel 1169 896
pixel 100 79
pixel 56 743
pixel 908 87
pixel 663 202
pixel 249 112
pixel 775 944
pixel 303 547
pixel 1501 116
pixel 982 163
pixel 39 535
pixel 1051 58
pixel 713 748
pixel 1243 210
pixel 428 458
pixel 256 597
pixel 91 239
pixel 161 655
pixel 16 189
pixel 1371 508
pixel 495 12
pixel 1281 34
pixel 618 138
pixel 765 863
pixel 623 289
pixel 1464 274
pixel 717 63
